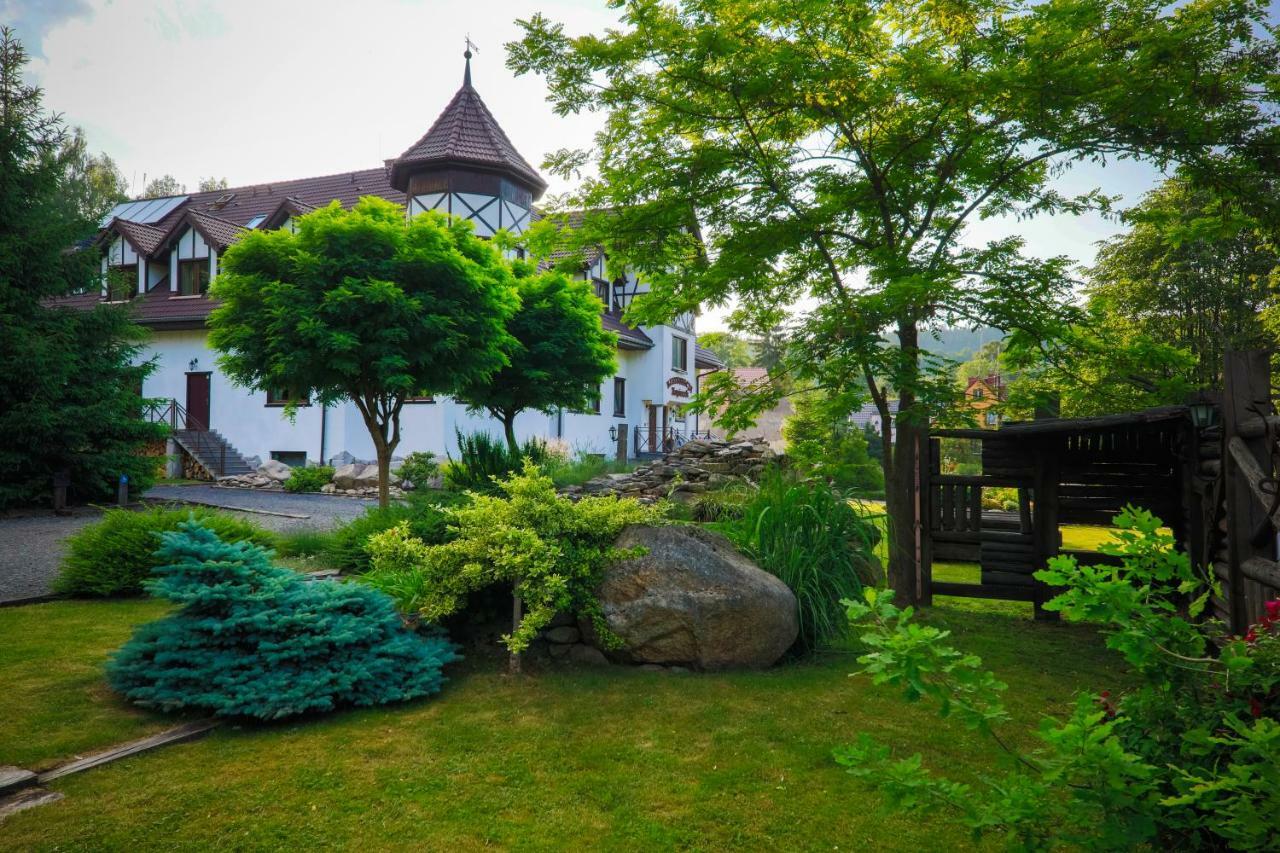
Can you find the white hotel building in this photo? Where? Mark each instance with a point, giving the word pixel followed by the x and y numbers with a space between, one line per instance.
pixel 465 166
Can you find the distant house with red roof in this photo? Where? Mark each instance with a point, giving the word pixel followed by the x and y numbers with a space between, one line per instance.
pixel 984 394
pixel 768 424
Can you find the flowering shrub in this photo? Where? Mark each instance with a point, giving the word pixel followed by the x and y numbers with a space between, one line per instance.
pixel 552 550
pixel 1187 759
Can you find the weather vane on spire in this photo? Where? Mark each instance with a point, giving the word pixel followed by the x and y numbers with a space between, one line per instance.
pixel 471 46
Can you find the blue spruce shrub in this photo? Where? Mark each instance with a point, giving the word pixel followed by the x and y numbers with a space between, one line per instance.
pixel 254 640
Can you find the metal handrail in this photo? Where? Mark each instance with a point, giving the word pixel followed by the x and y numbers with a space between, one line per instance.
pixel 206 447
pixel 669 440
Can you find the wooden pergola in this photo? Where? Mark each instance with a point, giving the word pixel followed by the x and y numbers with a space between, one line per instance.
pixel 1215 485
pixel 1065 471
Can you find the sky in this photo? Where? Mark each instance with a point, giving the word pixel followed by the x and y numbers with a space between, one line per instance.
pixel 266 90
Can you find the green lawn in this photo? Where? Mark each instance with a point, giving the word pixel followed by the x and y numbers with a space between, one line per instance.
pixel 611 759
pixel 56 704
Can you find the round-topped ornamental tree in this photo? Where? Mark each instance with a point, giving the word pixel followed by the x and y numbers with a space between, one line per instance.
pixel 364 305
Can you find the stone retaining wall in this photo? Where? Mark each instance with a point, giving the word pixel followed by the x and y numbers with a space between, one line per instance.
pixel 694 467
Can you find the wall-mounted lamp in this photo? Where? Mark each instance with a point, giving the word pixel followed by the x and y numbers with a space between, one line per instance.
pixel 613 433
pixel 193 364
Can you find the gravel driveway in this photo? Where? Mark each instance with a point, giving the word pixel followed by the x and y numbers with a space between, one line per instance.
pixel 31 545
pixel 320 511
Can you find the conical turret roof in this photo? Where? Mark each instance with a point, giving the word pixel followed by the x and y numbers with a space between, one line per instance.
pixel 466 134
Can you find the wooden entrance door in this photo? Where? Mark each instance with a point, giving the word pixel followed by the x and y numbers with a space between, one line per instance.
pixel 198 400
pixel 653 428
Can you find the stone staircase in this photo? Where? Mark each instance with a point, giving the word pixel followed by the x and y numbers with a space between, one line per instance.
pixel 212 452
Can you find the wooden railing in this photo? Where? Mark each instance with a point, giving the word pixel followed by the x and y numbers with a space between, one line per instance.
pixel 1249 491
pixel 208 449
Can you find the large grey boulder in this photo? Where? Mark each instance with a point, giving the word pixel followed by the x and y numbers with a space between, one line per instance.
pixel 693 600
pixel 367 478
pixel 356 475
pixel 275 470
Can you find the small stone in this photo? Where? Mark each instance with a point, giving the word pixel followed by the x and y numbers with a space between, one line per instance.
pixel 653 667
pixel 587 655
pixel 563 634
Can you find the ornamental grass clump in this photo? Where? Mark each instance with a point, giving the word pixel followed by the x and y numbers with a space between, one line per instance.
pixel 552 551
pixel 254 640
pixel 807 535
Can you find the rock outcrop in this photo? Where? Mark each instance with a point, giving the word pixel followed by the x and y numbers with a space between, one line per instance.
pixel 693 600
pixel 694 467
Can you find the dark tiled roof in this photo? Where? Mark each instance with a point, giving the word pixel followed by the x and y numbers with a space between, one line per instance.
pixel 466 133
pixel 629 337
pixel 157 308
pixel 241 205
pixel 703 357
pixel 217 232
pixel 144 238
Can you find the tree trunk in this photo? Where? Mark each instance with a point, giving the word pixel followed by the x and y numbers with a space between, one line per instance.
pixel 383 447
pixel 901 440
pixel 509 429
pixel 384 473
pixel 517 615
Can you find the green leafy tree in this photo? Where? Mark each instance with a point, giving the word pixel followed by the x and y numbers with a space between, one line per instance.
pixel 733 350
pixel 165 185
pixel 1194 271
pixel 1098 365
pixel 68 379
pixel 557 357
pixel 250 639
pixel 777 149
pixel 822 441
pixel 208 185
pixel 983 363
pixel 364 305
pixel 92 183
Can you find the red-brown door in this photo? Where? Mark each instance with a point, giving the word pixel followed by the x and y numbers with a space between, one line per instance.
pixel 653 428
pixel 198 400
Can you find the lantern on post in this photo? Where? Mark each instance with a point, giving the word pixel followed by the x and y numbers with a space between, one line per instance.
pixel 1203 408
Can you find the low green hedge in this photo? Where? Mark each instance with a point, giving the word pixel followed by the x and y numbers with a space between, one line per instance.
pixel 308 479
pixel 117 554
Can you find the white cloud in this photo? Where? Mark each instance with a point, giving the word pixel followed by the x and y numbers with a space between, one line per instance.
pixel 267 90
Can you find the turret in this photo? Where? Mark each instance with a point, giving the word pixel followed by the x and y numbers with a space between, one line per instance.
pixel 466 166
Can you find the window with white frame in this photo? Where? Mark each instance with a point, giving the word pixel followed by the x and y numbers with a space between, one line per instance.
pixel 679 353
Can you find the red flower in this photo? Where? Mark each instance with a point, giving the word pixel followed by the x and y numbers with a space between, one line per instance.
pixel 1255 707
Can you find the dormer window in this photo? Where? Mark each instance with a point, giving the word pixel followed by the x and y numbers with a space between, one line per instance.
pixel 193 277
pixel 256 221
pixel 122 282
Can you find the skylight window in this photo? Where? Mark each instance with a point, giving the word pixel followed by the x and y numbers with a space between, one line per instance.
pixel 256 221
